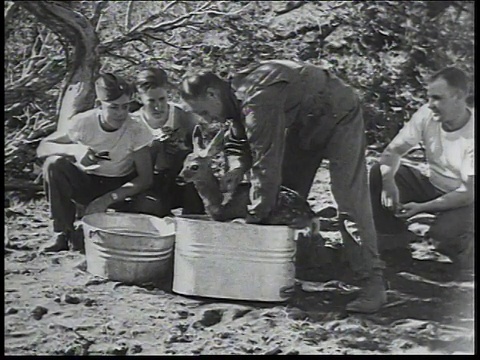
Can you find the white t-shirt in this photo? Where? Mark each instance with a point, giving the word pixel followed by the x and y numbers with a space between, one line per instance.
pixel 183 122
pixel 157 133
pixel 121 144
pixel 450 155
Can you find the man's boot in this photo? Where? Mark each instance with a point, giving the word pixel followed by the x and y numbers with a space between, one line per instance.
pixel 372 296
pixel 76 240
pixel 58 242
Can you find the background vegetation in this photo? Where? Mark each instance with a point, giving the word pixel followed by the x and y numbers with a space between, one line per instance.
pixel 383 49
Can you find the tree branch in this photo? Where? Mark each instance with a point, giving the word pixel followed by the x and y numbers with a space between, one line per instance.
pixel 130 59
pixel 83 65
pixel 128 16
pixel 290 6
pixel 10 10
pixel 97 12
pixel 143 28
pixel 169 43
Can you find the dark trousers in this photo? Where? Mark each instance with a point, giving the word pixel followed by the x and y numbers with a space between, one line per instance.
pixel 452 230
pixel 165 194
pixel 66 185
pixel 345 148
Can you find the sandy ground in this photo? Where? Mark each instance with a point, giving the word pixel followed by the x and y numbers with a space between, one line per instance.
pixel 54 307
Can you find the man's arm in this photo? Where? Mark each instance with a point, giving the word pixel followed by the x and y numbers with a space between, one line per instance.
pixel 463 196
pixel 59 143
pixel 389 164
pixel 144 179
pixel 238 160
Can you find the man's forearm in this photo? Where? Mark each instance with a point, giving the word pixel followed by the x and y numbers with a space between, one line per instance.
pixel 130 188
pixel 451 200
pixel 389 164
pixel 49 149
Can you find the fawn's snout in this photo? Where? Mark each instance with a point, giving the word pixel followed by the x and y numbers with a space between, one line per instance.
pixel 187 174
pixel 179 180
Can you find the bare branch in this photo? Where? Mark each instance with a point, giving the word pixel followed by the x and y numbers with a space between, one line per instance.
pixel 169 43
pixel 10 10
pixel 97 12
pixel 84 64
pixel 144 28
pixel 128 16
pixel 130 59
pixel 169 5
pixel 202 10
pixel 290 6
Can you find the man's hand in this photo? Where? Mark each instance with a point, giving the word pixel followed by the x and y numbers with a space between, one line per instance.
pixel 99 205
pixel 86 157
pixel 230 181
pixel 408 210
pixel 390 195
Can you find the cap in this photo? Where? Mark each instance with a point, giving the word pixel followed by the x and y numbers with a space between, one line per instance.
pixel 110 87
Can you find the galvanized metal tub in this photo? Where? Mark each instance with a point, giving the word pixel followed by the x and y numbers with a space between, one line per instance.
pixel 233 261
pixel 130 248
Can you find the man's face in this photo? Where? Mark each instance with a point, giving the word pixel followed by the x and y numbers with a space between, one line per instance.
pixel 115 112
pixel 209 107
pixel 445 101
pixel 154 103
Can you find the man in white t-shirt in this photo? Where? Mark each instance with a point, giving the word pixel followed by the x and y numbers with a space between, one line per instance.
pixel 101 160
pixel 172 129
pixel 445 126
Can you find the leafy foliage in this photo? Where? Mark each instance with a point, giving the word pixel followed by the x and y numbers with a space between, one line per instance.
pixel 383 49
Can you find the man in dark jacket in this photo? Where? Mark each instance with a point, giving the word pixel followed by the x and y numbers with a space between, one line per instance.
pixel 286 117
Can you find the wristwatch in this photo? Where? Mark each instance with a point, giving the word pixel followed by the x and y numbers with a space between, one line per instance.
pixel 114 196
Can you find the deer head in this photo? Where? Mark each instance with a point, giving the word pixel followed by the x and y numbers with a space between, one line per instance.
pixel 197 165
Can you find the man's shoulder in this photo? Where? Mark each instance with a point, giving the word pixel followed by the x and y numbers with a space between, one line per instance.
pixel 183 117
pixel 84 122
pixel 89 114
pixel 135 122
pixel 423 112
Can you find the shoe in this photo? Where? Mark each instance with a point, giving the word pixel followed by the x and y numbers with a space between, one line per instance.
pixel 372 296
pixel 58 242
pixel 76 240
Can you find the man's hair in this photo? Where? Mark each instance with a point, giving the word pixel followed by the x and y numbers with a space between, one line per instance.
pixel 151 78
pixel 197 84
pixel 454 77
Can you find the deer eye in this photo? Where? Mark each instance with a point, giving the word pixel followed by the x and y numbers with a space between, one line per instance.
pixel 194 167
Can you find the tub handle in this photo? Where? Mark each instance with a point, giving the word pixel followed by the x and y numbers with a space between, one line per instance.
pixel 93 232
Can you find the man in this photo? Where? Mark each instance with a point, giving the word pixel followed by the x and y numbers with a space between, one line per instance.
pixel 101 160
pixel 286 117
pixel 445 126
pixel 172 129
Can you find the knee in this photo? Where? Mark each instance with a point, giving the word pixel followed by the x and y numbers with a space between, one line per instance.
pixel 375 178
pixel 53 164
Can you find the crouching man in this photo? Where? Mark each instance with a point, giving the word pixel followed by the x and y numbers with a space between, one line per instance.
pixel 101 160
pixel 445 126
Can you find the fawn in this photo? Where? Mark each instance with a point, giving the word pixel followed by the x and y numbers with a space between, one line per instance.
pixel 291 209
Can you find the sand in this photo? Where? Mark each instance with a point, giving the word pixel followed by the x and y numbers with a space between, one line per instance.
pixel 53 306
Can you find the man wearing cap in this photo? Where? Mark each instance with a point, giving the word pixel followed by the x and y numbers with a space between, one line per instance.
pixel 100 160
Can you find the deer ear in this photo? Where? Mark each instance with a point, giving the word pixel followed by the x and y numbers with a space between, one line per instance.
pixel 216 145
pixel 197 140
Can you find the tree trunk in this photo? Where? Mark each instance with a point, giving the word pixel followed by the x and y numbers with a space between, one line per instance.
pixel 83 64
